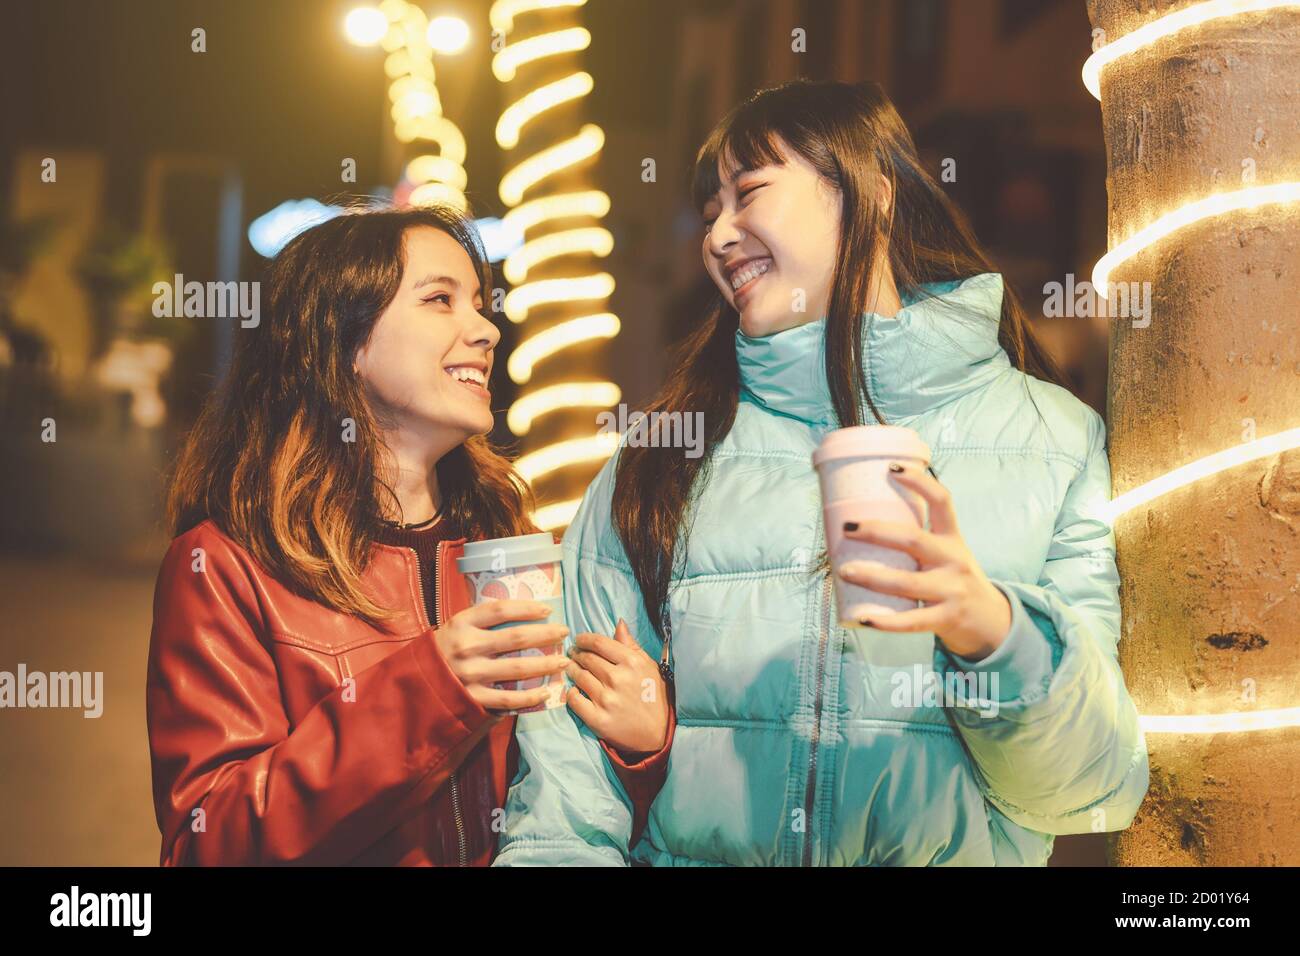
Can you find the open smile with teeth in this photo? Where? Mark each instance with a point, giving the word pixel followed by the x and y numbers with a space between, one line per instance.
pixel 470 377
pixel 748 273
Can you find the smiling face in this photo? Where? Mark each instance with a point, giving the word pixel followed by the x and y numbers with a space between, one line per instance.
pixel 428 360
pixel 771 242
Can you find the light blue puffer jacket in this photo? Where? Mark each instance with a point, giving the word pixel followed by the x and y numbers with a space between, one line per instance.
pixel 800 742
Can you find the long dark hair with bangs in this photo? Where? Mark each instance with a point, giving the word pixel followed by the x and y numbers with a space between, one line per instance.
pixel 266 461
pixel 851 134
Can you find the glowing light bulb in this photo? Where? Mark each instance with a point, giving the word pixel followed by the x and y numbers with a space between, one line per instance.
pixel 447 35
pixel 365 26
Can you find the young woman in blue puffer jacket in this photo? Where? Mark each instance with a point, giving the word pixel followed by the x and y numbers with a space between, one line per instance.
pixel 799 741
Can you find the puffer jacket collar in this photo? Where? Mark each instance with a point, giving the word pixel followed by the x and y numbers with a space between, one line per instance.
pixel 938 347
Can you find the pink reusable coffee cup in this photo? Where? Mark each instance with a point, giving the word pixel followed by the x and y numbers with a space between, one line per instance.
pixel 853 466
pixel 523 568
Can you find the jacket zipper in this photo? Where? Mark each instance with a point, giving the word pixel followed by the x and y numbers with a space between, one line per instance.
pixel 811 790
pixel 462 853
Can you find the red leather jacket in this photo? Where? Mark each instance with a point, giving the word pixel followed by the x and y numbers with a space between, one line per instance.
pixel 282 731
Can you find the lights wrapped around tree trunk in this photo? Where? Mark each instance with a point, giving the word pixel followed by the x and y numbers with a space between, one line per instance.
pixel 1199 101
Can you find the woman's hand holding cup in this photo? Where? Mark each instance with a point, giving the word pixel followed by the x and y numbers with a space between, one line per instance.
pixel 471 651
pixel 963 608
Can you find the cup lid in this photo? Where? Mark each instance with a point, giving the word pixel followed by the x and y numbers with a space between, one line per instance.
pixel 871 441
pixel 503 553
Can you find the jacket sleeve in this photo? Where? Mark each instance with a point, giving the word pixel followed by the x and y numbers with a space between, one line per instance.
pixel 642 775
pixel 234 782
pixel 1054 734
pixel 568 803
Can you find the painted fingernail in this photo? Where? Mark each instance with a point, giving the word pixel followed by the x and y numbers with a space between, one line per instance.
pixel 850 526
pixel 895 467
pixel 866 622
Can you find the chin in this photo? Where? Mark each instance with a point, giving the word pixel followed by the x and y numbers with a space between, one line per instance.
pixel 479 425
pixel 468 424
pixel 756 328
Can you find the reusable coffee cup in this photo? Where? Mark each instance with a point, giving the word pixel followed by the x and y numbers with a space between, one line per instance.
pixel 853 467
pixel 522 568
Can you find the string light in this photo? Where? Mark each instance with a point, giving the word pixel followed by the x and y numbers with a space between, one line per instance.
pixel 557 338
pixel 1251 197
pixel 529 215
pixel 537 102
pixel 503 12
pixel 562 454
pixel 440 168
pixel 1168 25
pixel 523 299
pixel 579 240
pixel 593 241
pixel 1202 468
pixel 417 108
pixel 534 405
pixel 1222 723
pixel 506 63
pixel 586 144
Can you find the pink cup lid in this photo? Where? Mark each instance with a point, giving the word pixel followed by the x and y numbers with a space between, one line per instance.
pixel 871 441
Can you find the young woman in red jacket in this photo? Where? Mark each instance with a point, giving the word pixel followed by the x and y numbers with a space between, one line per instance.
pixel 319 689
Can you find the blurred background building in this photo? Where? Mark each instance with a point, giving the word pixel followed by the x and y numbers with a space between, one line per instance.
pixel 167 160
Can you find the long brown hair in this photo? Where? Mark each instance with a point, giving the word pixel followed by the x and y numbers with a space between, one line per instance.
pixel 850 133
pixel 267 459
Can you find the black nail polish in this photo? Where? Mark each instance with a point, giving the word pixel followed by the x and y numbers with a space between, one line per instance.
pixel 866 622
pixel 850 526
pixel 895 467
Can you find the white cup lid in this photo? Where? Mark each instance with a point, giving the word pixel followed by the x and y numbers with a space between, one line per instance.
pixel 871 441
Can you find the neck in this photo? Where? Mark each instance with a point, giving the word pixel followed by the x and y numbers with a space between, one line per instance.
pixel 412 473
pixel 882 294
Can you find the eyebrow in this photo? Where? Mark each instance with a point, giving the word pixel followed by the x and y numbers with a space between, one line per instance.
pixel 445 280
pixel 731 181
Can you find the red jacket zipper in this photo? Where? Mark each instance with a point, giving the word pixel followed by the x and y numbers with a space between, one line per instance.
pixel 461 850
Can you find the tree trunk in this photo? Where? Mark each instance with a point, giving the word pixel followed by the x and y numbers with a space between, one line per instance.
pixel 1211 571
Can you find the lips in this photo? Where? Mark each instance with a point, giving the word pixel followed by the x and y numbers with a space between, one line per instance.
pixel 470 377
pixel 744 278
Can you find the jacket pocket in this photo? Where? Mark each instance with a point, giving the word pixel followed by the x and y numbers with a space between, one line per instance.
pixel 309 670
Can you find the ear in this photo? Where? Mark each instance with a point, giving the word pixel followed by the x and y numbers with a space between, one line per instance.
pixel 886 195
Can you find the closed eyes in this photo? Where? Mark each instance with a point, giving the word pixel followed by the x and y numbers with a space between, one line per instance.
pixel 741 197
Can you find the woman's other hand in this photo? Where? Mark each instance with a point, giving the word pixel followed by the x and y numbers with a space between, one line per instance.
pixel 618 691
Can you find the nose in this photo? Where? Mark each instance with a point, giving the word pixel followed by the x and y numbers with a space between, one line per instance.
pixel 723 234
pixel 482 332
